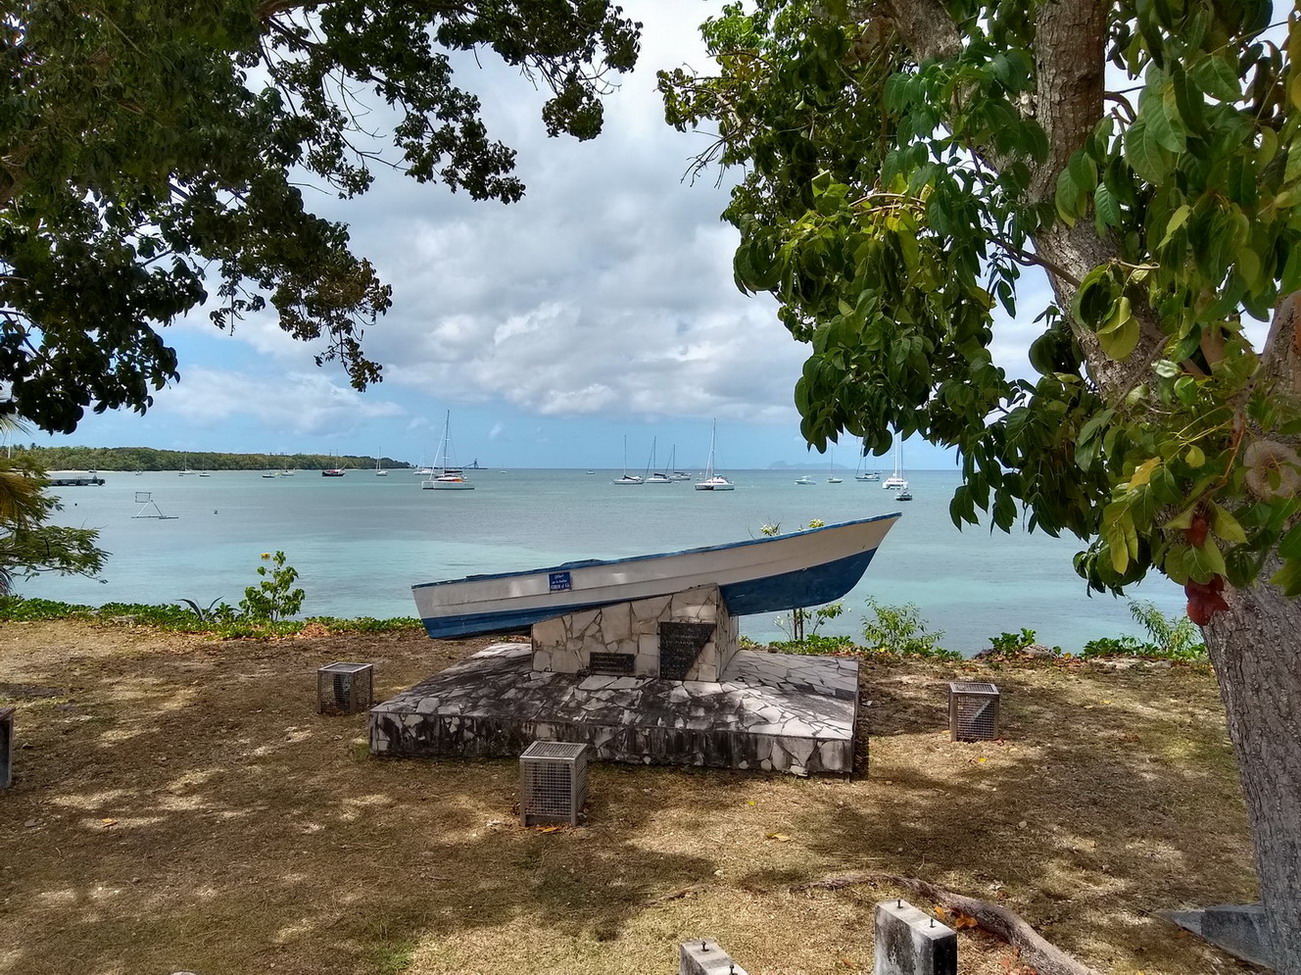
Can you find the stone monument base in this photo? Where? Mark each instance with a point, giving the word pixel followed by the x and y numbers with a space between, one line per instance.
pixel 770 711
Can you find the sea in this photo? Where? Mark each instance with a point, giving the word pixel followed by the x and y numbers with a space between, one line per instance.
pixel 359 543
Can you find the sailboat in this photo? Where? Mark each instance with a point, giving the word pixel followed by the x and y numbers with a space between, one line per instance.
pixel 831 470
pixel 862 474
pixel 653 474
pixel 446 475
pixel 672 470
pixel 713 481
pixel 379 467
pixel 897 480
pixel 628 480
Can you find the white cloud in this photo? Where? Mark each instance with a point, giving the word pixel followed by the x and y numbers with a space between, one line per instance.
pixel 299 403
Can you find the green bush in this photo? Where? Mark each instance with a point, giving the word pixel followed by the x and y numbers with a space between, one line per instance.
pixel 1012 642
pixel 1168 638
pixel 815 644
pixel 272 599
pixel 901 631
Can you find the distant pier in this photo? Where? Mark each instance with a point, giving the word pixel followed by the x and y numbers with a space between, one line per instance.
pixel 74 479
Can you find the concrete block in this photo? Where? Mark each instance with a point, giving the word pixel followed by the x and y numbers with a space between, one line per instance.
pixel 1240 929
pixel 704 957
pixel 6 746
pixel 911 942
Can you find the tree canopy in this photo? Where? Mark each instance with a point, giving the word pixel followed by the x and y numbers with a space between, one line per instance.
pixel 907 160
pixel 28 545
pixel 895 194
pixel 153 154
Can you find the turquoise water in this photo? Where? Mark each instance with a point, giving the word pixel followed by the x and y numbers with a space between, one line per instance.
pixel 360 542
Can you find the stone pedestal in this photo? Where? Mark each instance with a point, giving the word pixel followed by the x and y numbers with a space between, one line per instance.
pixel 911 942
pixel 6 746
pixel 705 957
pixel 687 636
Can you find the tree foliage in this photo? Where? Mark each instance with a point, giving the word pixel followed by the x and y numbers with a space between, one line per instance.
pixel 28 544
pixel 153 459
pixel 898 182
pixel 153 154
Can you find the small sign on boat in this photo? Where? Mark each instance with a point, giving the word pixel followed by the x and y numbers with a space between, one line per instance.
pixel 559 581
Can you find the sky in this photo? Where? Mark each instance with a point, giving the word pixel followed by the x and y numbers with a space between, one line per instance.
pixel 599 307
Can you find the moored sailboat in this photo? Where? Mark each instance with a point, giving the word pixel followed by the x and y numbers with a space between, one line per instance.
pixel 714 481
pixel 446 476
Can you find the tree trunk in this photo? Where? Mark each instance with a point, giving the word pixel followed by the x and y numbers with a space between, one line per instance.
pixel 1256 649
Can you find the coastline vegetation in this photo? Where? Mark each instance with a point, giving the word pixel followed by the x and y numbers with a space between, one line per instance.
pixel 151 459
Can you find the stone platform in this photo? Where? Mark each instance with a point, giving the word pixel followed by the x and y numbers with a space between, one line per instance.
pixel 770 711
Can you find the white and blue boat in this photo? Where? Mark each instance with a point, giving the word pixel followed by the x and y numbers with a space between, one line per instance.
pixel 758 575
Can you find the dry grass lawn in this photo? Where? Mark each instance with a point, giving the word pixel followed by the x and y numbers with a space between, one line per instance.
pixel 179 805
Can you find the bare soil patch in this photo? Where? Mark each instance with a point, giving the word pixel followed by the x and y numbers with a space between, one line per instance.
pixel 180 805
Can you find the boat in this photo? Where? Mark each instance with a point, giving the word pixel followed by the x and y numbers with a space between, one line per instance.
pixel 654 476
pixel 713 481
pixel 904 495
pixel 804 479
pixel 831 471
pixel 896 480
pixel 379 468
pixel 270 474
pixel 185 466
pixel 333 472
pixel 861 474
pixel 758 575
pixel 204 474
pixel 445 475
pixel 673 473
pixel 627 480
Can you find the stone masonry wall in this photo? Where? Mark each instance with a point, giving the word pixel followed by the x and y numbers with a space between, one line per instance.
pixel 565 644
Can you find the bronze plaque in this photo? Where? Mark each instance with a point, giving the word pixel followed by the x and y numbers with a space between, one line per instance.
pixel 620 664
pixel 680 645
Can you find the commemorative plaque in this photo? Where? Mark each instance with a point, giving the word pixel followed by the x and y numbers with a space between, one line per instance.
pixel 680 645
pixel 620 664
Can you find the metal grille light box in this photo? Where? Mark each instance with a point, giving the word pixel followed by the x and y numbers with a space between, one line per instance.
pixel 553 782
pixel 343 688
pixel 973 711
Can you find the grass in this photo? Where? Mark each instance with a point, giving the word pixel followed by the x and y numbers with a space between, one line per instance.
pixel 182 807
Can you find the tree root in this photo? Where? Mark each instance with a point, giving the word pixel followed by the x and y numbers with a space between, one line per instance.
pixel 1043 956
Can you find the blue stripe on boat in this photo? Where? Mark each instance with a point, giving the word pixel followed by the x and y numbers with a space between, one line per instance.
pixel 790 590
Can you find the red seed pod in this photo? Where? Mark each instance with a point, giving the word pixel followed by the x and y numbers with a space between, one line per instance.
pixel 1196 531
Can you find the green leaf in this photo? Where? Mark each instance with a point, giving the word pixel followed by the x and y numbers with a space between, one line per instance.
pixel 1177 220
pixel 1227 527
pixel 1167 131
pixel 1106 207
pixel 1216 77
pixel 1069 199
pixel 1288 578
pixel 1194 457
pixel 1145 153
pixel 1290 546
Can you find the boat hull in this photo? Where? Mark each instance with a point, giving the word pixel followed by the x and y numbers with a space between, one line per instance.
pixel 755 576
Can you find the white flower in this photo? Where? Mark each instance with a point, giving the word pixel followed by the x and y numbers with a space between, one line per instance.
pixel 1273 470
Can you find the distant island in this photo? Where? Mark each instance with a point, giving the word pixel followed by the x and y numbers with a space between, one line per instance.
pixel 150 459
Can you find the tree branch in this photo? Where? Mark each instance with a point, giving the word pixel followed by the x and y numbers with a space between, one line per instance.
pixel 1041 954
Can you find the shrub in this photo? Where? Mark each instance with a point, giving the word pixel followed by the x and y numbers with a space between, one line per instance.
pixel 272 599
pixel 1012 642
pixel 900 630
pixel 1168 637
